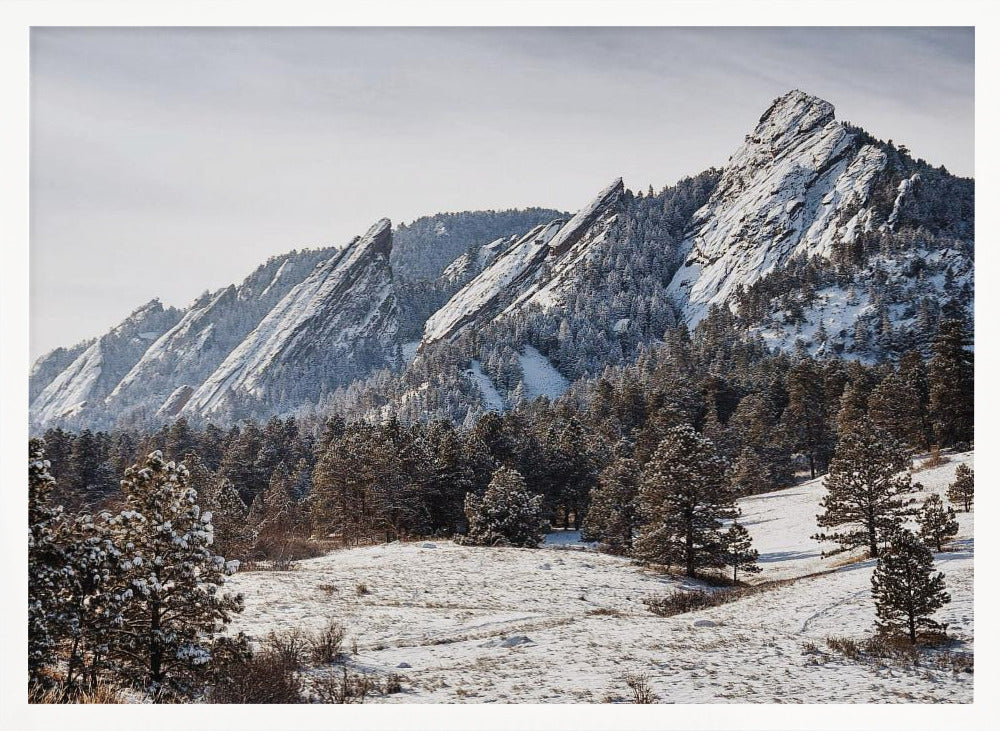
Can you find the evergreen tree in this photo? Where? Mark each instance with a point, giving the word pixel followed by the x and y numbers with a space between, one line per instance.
pixel 684 496
pixel 613 515
pixel 806 414
pixel 506 514
pixel 174 577
pixel 950 380
pixel 895 406
pixel 937 523
pixel 233 536
pixel 868 475
pixel 280 520
pixel 750 474
pixel 913 371
pixel 738 550
pixel 961 491
pixel 906 589
pixel 45 559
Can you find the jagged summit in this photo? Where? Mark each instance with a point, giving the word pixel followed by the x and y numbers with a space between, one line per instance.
pixel 536 269
pixel 817 235
pixel 340 322
pixel 798 185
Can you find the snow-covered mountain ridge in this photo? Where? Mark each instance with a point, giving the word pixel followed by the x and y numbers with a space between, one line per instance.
pixel 798 185
pixel 814 237
pixel 533 270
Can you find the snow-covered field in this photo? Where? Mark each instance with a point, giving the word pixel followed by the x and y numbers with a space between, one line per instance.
pixel 463 624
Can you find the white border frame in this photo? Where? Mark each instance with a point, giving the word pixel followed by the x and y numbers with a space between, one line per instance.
pixel 16 18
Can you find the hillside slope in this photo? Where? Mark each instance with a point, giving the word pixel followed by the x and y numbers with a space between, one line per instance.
pixel 464 624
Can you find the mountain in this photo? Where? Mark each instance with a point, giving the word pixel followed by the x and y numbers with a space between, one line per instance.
pixel 536 269
pixel 421 250
pixel 100 366
pixel 880 233
pixel 190 351
pixel 338 324
pixel 797 185
pixel 815 238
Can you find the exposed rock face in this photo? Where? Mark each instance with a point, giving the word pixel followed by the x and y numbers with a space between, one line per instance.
pixel 798 184
pixel 300 325
pixel 94 373
pixel 536 269
pixel 209 330
pixel 338 324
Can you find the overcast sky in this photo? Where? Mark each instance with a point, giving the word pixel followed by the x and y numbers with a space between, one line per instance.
pixel 168 162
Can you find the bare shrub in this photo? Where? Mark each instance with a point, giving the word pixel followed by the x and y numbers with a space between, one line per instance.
pixel 681 602
pixel 344 687
pixel 361 589
pixel 267 677
pixel 292 646
pixel 393 684
pixel 325 646
pixel 328 589
pixel 638 684
pixel 896 649
pixel 934 460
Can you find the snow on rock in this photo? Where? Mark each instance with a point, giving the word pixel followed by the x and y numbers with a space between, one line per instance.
pixel 443 615
pixel 466 266
pixel 340 321
pixel 536 269
pixel 484 293
pixel 492 400
pixel 94 373
pixel 175 401
pixel 541 377
pixel 788 190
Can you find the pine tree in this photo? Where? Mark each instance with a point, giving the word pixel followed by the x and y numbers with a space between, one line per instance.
pixel 281 520
pixel 174 576
pixel 905 588
pixel 506 514
pixel 913 371
pixel 961 491
pixel 806 414
pixel 613 515
pixel 895 406
pixel 232 535
pixel 950 379
pixel 684 496
pixel 868 475
pixel 738 550
pixel 750 474
pixel 45 559
pixel 937 523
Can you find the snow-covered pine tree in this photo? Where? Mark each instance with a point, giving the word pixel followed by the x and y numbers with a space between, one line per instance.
pixel 750 474
pixel 613 515
pixel 905 588
pixel 937 523
pixel 950 379
pixel 738 550
pixel 506 514
pixel 684 496
pixel 175 577
pixel 895 406
pixel 868 476
pixel 232 535
pixel 961 491
pixel 45 561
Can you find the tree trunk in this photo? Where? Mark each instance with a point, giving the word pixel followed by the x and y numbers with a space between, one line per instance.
pixel 689 554
pixel 812 466
pixel 155 649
